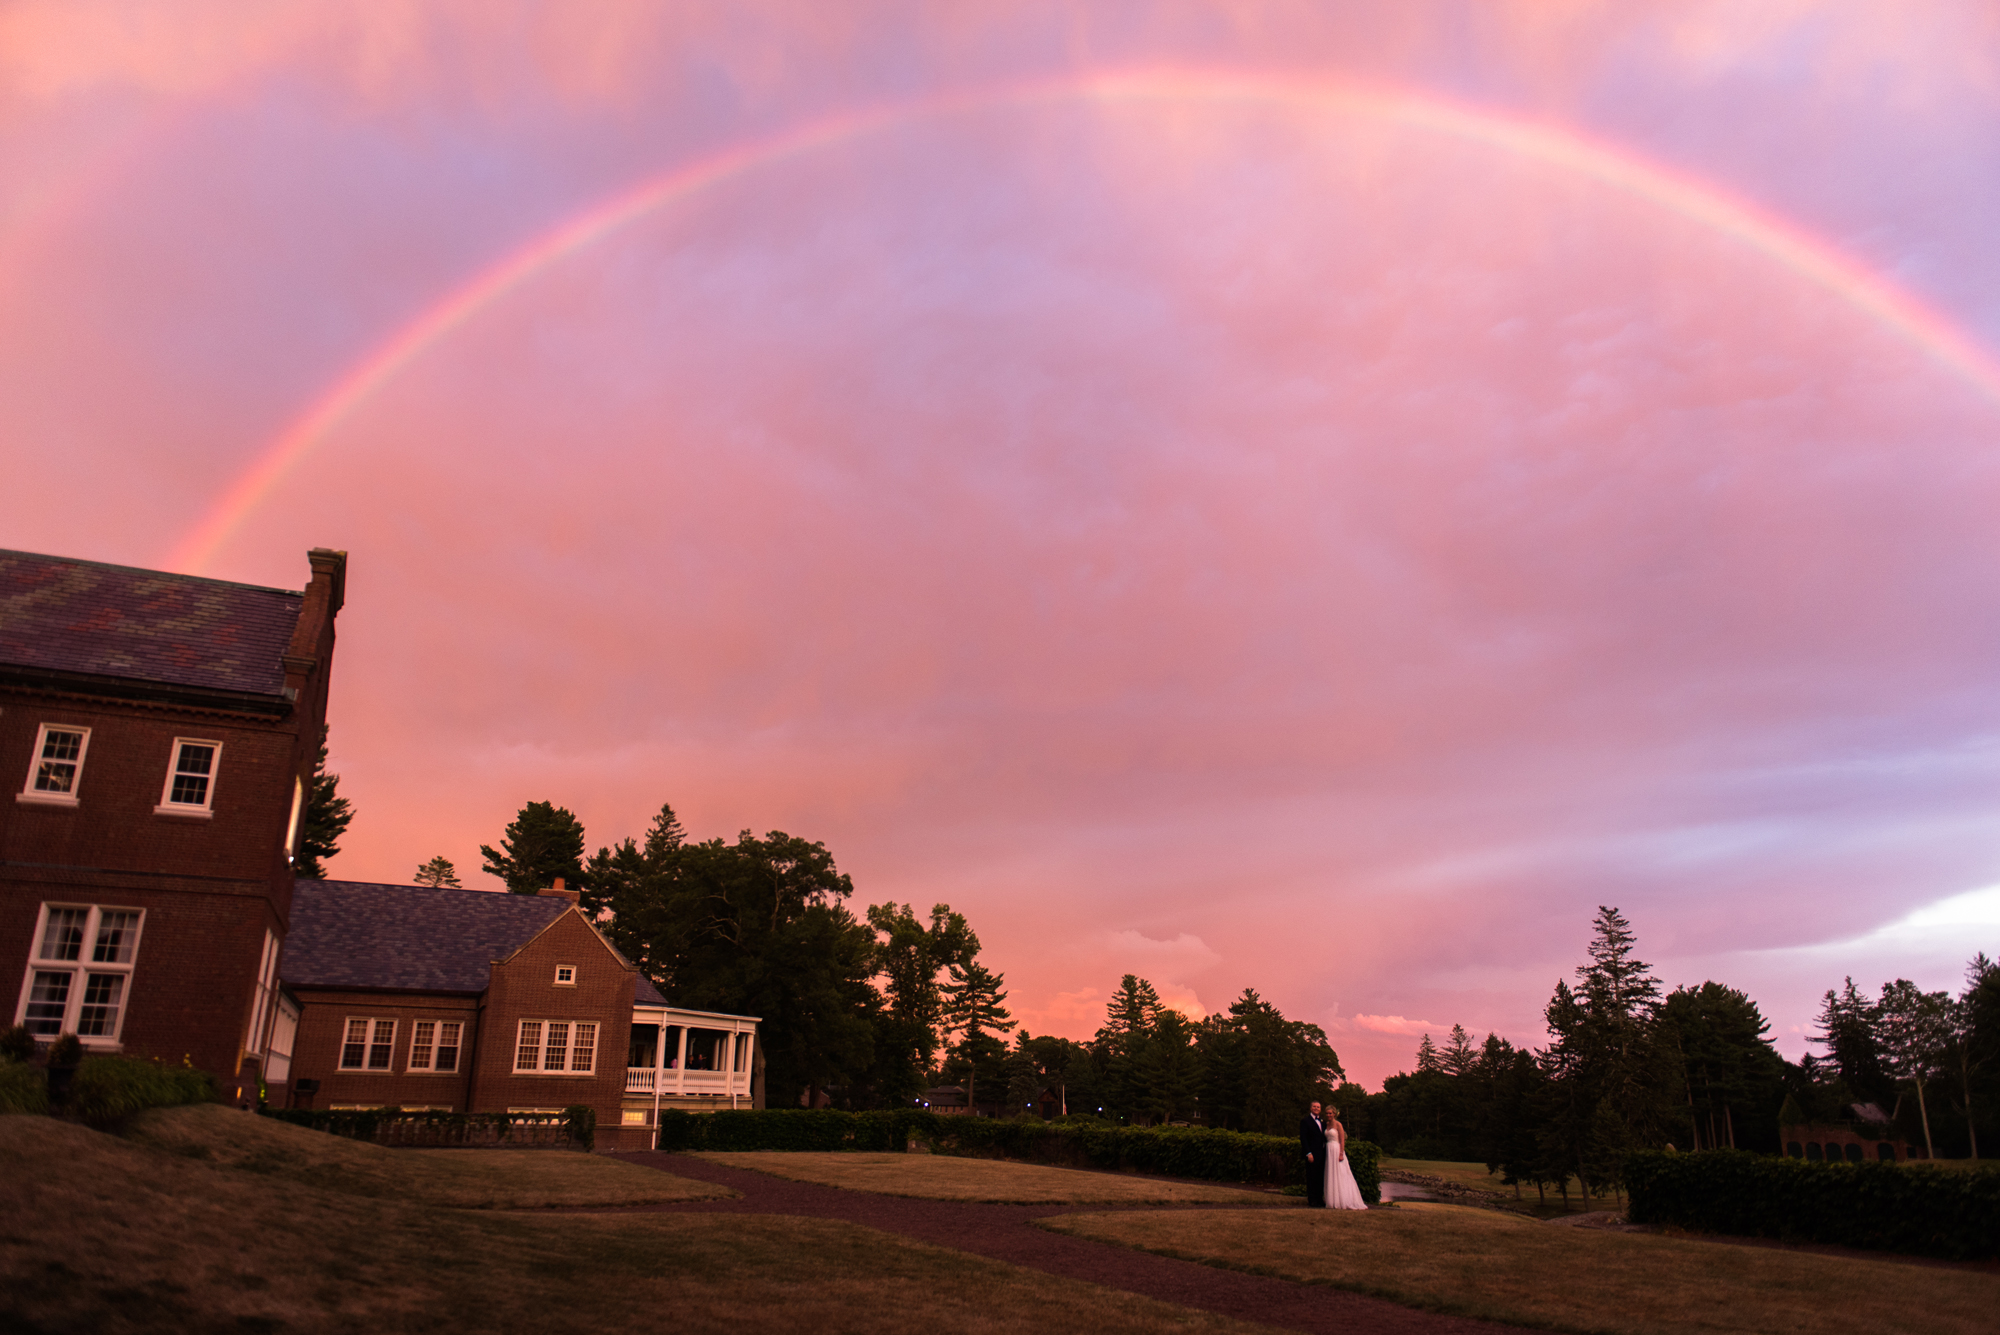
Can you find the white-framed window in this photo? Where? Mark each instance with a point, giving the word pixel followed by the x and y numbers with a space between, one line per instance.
pixel 565 975
pixel 191 770
pixel 434 1044
pixel 80 971
pixel 55 771
pixel 367 1045
pixel 556 1046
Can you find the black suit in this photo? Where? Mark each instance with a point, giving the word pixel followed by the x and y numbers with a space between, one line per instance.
pixel 1312 1142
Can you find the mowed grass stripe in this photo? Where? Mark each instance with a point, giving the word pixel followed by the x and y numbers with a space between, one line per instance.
pixel 1502 1267
pixel 937 1177
pixel 475 1179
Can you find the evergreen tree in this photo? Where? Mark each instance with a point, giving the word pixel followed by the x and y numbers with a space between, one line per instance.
pixel 1847 1023
pixel 1120 1044
pixel 973 1011
pixel 325 818
pixel 1731 1076
pixel 1427 1056
pixel 1975 1040
pixel 1458 1057
pixel 438 872
pixel 543 842
pixel 1258 1070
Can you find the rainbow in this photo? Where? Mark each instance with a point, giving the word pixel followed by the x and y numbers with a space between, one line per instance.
pixel 1804 255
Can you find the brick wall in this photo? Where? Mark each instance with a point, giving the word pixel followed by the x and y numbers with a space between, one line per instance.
pixel 524 987
pixel 322 1030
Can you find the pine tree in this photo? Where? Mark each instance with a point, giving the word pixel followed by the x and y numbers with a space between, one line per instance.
pixel 1848 1027
pixel 973 1011
pixel 1427 1055
pixel 438 872
pixel 326 817
pixel 1459 1057
pixel 543 842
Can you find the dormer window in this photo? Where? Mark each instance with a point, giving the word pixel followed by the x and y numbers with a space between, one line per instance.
pixel 190 785
pixel 56 768
pixel 565 975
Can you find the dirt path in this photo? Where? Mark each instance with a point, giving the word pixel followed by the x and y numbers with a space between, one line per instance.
pixel 1007 1233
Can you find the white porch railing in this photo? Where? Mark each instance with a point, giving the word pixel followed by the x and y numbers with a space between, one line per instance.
pixel 640 1080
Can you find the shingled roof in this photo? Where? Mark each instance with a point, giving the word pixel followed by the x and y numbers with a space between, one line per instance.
pixel 412 938
pixel 144 625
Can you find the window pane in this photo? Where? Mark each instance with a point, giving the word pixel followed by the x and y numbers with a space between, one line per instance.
pixel 583 1052
pixel 195 759
pixel 378 1051
pixel 527 1056
pixel 57 771
pixel 555 1055
pixel 447 1049
pixel 420 1045
pixel 99 1016
pixel 117 935
pixel 356 1045
pixel 62 939
pixel 48 999
pixel 191 789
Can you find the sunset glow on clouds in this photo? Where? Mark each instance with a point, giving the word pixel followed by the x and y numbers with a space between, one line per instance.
pixel 1310 498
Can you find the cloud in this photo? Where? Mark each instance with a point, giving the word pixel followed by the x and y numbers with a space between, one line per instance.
pixel 1396 1024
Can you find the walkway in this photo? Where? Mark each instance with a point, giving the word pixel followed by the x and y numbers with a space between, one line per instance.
pixel 1007 1233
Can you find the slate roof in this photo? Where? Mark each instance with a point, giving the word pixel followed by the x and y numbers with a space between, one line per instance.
pixel 412 938
pixel 144 625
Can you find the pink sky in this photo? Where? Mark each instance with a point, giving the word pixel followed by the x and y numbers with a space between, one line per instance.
pixel 1306 537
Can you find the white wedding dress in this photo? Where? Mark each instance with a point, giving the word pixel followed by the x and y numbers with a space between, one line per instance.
pixel 1342 1191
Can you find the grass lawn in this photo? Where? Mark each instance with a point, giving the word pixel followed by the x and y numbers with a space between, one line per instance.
pixel 1503 1267
pixel 101 1234
pixel 488 1179
pixel 941 1177
pixel 1474 1177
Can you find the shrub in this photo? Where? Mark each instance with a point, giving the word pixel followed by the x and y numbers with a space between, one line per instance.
pixel 1881 1206
pixel 17 1044
pixel 1195 1152
pixel 574 1126
pixel 107 1090
pixel 580 1119
pixel 23 1088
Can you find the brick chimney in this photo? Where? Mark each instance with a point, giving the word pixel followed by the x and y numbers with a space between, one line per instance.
pixel 556 891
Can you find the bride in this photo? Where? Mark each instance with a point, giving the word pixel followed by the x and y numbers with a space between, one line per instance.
pixel 1342 1192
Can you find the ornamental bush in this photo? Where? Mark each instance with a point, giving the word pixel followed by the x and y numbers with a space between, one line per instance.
pixel 107 1090
pixel 1193 1152
pixel 1881 1206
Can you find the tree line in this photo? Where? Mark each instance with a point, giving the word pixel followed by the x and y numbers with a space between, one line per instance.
pixel 872 1010
pixel 1627 1068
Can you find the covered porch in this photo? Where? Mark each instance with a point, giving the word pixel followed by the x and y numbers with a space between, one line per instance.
pixel 696 1061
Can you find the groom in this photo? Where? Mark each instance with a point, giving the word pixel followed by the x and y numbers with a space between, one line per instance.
pixel 1312 1142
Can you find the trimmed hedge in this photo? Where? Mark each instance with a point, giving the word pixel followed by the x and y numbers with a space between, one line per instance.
pixel 1193 1152
pixel 107 1090
pixel 573 1126
pixel 1880 1206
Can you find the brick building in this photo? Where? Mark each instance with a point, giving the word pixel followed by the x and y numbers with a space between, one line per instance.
pixel 471 1001
pixel 163 729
